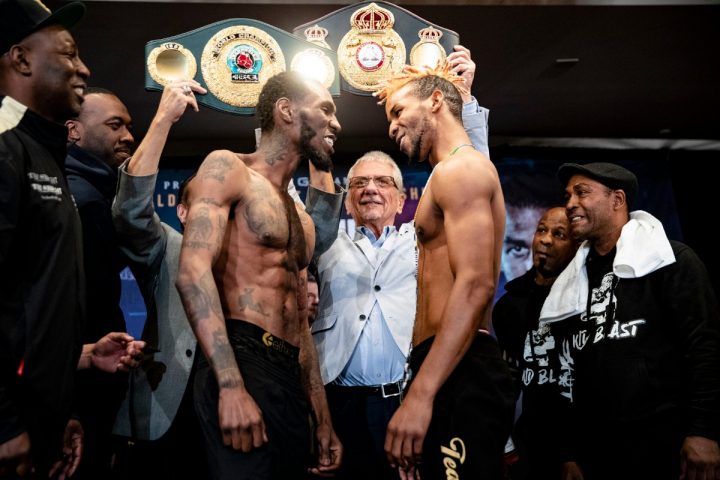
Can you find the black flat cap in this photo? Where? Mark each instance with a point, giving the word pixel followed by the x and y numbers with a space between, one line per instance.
pixel 611 175
pixel 20 18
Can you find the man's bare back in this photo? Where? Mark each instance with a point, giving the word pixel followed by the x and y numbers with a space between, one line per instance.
pixel 435 275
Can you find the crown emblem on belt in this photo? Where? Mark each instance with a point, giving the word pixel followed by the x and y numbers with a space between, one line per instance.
pixel 316 34
pixel 372 19
pixel 428 51
pixel 371 51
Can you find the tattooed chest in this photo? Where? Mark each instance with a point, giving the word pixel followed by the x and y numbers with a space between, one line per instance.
pixel 275 224
pixel 267 220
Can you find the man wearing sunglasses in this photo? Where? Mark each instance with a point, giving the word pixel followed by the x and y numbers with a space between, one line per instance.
pixel 367 296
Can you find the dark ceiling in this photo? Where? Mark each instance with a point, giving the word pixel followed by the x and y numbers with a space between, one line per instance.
pixel 643 71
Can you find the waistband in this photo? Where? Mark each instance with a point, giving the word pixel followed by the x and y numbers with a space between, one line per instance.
pixel 386 390
pixel 240 329
pixel 483 344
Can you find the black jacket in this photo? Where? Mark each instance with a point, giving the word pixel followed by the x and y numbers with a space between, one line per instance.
pixel 41 282
pixel 99 394
pixel 669 363
pixel 649 375
pixel 93 184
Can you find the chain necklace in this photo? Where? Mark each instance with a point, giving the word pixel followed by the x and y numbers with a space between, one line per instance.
pixel 454 150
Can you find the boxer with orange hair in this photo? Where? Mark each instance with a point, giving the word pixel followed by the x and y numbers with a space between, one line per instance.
pixel 458 409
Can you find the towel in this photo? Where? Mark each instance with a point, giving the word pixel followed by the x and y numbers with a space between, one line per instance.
pixel 643 248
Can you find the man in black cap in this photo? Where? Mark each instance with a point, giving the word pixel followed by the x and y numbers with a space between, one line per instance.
pixel 647 391
pixel 42 82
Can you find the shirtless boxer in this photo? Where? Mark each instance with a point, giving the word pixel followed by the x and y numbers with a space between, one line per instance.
pixel 242 280
pixel 458 411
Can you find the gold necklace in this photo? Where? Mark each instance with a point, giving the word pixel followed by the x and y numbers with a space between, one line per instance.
pixel 454 150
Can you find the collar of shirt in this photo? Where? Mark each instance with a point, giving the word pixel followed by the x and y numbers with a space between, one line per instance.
pixel 376 242
pixel 53 136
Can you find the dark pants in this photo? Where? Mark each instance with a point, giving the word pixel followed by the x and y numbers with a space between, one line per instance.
pixel 178 455
pixel 643 449
pixel 472 415
pixel 271 373
pixel 99 396
pixel 360 421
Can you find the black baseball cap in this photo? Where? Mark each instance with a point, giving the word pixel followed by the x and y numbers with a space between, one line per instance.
pixel 611 175
pixel 20 18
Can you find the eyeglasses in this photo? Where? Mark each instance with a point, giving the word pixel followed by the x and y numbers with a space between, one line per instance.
pixel 381 181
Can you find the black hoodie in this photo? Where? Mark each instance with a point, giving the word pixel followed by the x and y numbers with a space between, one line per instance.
pixel 93 183
pixel 99 394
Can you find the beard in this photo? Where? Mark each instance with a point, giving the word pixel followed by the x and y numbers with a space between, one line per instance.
pixel 318 158
pixel 417 144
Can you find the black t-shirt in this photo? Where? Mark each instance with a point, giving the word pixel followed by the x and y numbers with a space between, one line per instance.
pixel 543 359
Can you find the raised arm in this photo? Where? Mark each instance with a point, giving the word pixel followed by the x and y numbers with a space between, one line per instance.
pixel 321 179
pixel 474 117
pixel 139 231
pixel 173 103
pixel 324 204
pixel 212 192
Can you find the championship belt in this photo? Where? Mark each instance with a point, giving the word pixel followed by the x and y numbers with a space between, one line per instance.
pixel 371 40
pixel 428 52
pixel 371 51
pixel 314 60
pixel 236 56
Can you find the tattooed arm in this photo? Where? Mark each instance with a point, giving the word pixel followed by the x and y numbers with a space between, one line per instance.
pixel 329 447
pixel 211 194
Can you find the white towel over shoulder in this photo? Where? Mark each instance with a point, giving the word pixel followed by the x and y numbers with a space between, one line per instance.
pixel 642 248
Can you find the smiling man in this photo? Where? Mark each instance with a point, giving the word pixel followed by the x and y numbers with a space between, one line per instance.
pixel 367 289
pixel 42 81
pixel 647 381
pixel 363 330
pixel 100 140
pixel 242 280
pixel 103 128
pixel 457 412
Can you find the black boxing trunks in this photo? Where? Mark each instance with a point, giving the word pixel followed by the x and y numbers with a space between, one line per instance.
pixel 472 414
pixel 271 374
